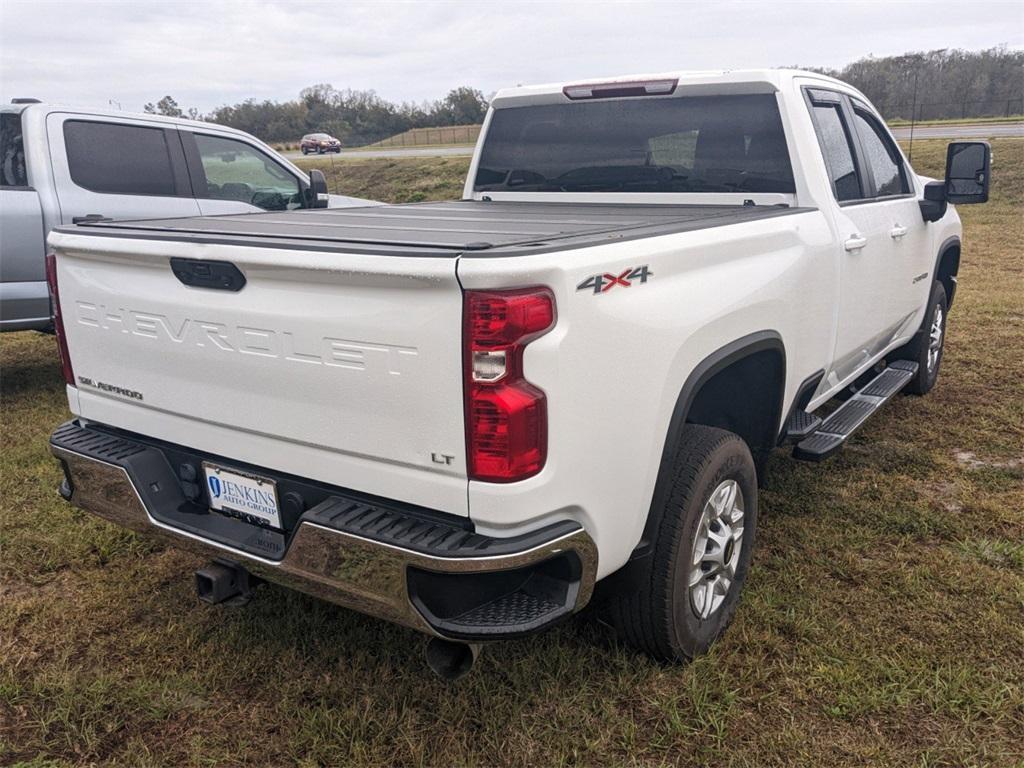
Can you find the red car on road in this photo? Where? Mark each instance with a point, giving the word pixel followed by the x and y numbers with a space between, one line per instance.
pixel 319 143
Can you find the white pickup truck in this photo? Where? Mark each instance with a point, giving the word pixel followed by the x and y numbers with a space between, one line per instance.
pixel 462 416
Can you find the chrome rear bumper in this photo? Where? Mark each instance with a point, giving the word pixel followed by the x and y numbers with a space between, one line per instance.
pixel 523 590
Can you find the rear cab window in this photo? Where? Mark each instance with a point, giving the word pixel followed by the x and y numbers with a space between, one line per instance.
pixel 116 158
pixel 729 143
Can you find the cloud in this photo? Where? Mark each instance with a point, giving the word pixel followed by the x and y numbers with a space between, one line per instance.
pixel 215 52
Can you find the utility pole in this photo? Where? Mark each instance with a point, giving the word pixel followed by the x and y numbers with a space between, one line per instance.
pixel 913 115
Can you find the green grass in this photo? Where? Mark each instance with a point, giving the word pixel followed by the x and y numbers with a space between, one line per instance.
pixel 883 622
pixel 394 180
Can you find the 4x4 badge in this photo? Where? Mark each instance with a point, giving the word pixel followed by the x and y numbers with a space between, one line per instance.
pixel 606 281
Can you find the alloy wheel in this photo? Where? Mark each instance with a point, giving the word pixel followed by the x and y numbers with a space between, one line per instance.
pixel 935 339
pixel 716 549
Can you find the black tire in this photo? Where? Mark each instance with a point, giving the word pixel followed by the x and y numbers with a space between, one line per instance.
pixel 919 347
pixel 655 613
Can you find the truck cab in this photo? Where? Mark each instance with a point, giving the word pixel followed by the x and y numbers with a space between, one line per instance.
pixel 63 165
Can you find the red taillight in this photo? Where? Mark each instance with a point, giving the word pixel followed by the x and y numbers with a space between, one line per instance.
pixel 58 321
pixel 506 416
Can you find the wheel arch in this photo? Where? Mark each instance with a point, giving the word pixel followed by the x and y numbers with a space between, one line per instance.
pixel 947 265
pixel 734 367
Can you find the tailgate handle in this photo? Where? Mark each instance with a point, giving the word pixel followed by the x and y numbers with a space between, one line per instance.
pixel 200 273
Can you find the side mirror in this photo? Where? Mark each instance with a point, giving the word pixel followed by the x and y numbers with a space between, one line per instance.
pixel 933 207
pixel 968 169
pixel 316 193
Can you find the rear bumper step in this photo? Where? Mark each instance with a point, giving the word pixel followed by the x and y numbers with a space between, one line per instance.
pixel 835 430
pixel 423 570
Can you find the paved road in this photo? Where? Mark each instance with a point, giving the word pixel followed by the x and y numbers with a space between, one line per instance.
pixel 398 152
pixel 966 131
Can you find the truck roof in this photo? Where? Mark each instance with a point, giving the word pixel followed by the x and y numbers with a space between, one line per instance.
pixel 462 227
pixel 181 122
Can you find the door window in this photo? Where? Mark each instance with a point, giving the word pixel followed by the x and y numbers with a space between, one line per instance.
pixel 119 159
pixel 12 151
pixel 236 171
pixel 883 159
pixel 838 151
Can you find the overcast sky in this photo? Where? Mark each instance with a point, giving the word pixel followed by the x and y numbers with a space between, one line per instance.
pixel 210 53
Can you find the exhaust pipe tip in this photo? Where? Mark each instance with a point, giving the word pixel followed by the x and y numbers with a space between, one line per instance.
pixel 450 660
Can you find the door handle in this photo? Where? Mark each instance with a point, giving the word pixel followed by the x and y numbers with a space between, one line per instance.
pixel 897 232
pixel 855 243
pixel 91 217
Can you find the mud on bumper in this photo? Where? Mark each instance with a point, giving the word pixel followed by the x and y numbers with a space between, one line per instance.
pixel 413 567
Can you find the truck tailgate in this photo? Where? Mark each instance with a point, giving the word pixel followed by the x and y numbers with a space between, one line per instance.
pixel 339 367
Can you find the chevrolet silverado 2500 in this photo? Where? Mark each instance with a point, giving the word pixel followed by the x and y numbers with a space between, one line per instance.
pixel 462 416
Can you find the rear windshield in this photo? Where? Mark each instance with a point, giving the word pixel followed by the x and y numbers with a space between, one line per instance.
pixel 682 144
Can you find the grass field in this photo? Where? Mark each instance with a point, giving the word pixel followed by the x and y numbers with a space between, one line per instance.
pixel 883 622
pixel 397 180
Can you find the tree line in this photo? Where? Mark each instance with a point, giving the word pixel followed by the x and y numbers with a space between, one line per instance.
pixel 355 117
pixel 944 83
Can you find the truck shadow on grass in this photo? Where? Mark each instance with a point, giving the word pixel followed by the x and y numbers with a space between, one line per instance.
pixel 25 373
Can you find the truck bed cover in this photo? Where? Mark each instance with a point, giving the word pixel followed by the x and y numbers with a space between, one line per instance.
pixel 463 227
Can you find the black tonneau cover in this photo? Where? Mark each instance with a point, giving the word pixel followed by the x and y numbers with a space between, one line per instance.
pixel 463 227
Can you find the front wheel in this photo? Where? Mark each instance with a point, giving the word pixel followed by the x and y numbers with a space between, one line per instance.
pixel 927 346
pixel 686 589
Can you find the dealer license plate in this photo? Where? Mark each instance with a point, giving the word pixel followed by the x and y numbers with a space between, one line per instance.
pixel 245 495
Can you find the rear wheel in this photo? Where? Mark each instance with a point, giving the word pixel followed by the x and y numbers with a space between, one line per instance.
pixel 686 590
pixel 927 345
